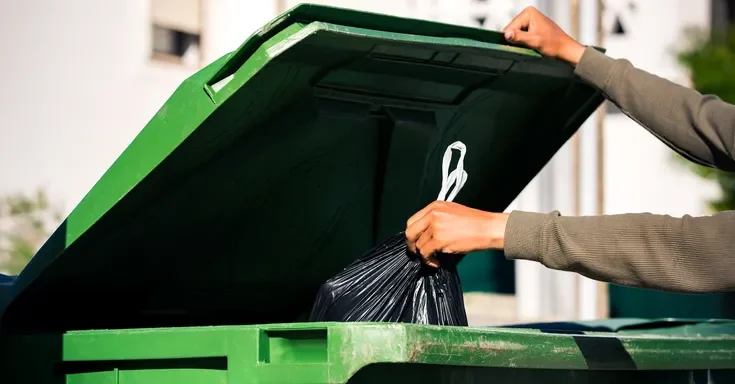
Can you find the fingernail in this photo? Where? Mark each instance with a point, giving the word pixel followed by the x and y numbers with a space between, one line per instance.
pixel 509 35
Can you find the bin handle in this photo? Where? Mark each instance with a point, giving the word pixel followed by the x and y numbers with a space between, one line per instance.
pixel 457 177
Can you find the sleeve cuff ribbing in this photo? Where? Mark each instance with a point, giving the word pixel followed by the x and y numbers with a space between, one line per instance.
pixel 523 235
pixel 595 68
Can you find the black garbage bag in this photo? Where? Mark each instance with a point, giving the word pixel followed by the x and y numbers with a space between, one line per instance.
pixel 390 284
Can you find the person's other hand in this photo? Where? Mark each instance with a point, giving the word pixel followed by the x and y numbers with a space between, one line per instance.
pixel 443 227
pixel 536 31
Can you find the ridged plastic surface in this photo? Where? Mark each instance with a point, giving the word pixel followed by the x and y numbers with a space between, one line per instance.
pixel 374 353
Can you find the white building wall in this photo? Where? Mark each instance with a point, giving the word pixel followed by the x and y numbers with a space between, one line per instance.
pixel 406 8
pixel 78 85
pixel 228 23
pixel 640 173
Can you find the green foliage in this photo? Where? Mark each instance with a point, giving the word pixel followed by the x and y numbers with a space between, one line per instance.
pixel 710 59
pixel 25 223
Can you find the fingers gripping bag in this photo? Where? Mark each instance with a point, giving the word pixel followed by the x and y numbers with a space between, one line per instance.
pixel 391 284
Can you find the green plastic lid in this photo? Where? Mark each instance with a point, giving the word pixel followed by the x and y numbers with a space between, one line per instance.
pixel 274 167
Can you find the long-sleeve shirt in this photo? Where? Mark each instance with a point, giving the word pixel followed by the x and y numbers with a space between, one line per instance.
pixel 687 254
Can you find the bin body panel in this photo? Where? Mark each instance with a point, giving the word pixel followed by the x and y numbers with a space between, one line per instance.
pixel 362 352
pixel 633 302
pixel 308 145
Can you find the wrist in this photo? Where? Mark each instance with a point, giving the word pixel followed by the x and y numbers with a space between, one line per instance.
pixel 572 53
pixel 496 230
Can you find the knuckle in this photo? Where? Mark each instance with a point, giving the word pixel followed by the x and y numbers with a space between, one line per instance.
pixel 433 226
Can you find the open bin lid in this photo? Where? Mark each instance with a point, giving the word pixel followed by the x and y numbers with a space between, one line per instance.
pixel 274 167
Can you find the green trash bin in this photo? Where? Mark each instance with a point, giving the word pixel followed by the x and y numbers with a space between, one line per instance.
pixel 197 254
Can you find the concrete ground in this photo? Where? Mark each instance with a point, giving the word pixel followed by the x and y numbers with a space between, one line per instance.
pixel 486 309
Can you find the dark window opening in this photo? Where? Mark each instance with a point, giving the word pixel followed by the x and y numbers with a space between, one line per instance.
pixel 177 47
pixel 618 28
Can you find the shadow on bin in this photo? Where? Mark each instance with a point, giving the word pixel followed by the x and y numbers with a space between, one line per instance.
pixel 26 356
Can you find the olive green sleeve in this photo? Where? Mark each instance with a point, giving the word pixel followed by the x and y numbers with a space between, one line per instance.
pixel 687 254
pixel 699 127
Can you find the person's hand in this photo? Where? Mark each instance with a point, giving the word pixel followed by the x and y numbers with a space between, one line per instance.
pixel 451 228
pixel 536 31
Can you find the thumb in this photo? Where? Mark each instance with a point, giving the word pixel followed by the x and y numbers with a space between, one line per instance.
pixel 518 36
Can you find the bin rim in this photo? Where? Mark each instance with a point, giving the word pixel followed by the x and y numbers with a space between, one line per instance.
pixel 687 349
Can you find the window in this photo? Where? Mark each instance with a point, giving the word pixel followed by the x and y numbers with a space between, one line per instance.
pixel 176 29
pixel 618 28
pixel 620 17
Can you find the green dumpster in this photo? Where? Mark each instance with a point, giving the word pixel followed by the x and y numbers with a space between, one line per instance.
pixel 196 256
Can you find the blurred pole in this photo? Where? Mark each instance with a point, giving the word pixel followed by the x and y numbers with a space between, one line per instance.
pixel 543 294
pixel 590 164
pixel 600 122
pixel 576 141
pixel 202 27
pixel 603 296
pixel 531 278
pixel 227 23
pixel 576 154
pixel 280 6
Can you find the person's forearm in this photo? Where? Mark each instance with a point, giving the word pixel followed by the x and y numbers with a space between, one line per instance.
pixel 689 254
pixel 699 127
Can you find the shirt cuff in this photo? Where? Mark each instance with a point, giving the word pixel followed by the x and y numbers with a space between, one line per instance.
pixel 596 68
pixel 524 235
